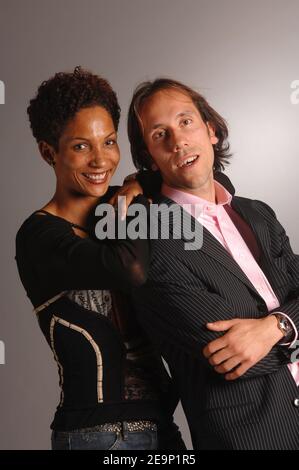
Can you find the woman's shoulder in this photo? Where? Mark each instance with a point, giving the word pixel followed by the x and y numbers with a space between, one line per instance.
pixel 40 219
pixel 39 222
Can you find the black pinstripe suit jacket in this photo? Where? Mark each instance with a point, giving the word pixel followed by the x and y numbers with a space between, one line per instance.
pixel 187 289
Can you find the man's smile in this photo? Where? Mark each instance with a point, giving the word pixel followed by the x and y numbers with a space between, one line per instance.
pixel 188 161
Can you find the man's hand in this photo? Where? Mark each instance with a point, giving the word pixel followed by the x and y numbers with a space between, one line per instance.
pixel 246 342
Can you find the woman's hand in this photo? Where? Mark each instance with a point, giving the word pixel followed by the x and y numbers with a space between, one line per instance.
pixel 128 191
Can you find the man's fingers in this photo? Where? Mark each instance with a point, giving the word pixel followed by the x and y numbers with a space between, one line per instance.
pixel 214 346
pixel 238 372
pixel 222 325
pixel 227 365
pixel 220 356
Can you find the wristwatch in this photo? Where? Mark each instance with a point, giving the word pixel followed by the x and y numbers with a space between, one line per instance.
pixel 283 324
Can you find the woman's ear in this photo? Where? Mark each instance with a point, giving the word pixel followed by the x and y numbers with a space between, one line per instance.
pixel 47 152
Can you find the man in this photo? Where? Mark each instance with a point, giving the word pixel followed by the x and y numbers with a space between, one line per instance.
pixel 224 317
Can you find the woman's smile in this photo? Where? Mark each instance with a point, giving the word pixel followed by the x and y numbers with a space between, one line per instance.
pixel 96 178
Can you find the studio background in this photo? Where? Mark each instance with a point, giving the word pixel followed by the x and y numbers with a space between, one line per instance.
pixel 242 56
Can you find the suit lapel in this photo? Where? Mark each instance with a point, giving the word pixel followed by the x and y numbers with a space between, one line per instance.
pixel 255 220
pixel 211 246
pixel 259 226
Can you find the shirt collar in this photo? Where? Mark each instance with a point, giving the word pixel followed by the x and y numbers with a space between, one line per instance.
pixel 181 197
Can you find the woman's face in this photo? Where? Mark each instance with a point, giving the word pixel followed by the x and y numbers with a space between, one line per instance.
pixel 88 153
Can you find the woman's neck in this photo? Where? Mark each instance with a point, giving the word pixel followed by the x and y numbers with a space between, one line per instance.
pixel 75 209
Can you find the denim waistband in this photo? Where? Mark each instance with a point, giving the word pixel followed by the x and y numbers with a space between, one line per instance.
pixel 119 426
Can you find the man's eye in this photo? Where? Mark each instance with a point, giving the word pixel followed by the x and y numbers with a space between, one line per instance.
pixel 187 121
pixel 80 146
pixel 159 135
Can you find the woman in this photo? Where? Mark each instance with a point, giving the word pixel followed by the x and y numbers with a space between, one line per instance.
pixel 114 388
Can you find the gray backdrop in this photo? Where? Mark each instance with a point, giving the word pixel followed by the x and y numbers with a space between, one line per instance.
pixel 243 57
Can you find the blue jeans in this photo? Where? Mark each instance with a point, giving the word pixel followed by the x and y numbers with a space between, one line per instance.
pixel 104 440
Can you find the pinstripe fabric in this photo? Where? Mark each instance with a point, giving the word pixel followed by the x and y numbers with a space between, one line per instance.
pixel 187 289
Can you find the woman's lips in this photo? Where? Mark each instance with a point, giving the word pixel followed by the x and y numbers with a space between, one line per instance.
pixel 96 178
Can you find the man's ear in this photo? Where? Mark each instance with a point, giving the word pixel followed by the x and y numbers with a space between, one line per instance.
pixel 150 162
pixel 212 135
pixel 47 152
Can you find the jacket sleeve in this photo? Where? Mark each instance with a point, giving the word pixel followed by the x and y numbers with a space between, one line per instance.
pixel 166 311
pixel 283 252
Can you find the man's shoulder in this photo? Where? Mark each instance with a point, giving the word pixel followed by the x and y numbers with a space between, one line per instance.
pixel 256 204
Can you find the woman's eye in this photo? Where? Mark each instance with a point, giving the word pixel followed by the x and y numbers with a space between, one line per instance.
pixel 80 146
pixel 187 121
pixel 110 142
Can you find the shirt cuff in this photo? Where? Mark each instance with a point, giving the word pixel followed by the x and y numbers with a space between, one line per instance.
pixel 295 331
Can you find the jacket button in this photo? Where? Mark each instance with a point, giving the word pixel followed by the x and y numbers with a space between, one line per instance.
pixel 296 402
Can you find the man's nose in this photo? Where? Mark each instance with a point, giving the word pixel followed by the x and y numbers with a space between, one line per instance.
pixel 177 141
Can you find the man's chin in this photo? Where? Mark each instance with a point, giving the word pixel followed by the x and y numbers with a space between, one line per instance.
pixel 194 183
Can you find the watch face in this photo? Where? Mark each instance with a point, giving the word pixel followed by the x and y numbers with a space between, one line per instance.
pixel 284 325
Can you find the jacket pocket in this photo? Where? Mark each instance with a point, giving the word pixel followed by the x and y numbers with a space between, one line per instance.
pixel 221 394
pixel 229 417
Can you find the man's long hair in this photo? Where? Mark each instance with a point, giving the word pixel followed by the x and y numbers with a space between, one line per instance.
pixel 141 157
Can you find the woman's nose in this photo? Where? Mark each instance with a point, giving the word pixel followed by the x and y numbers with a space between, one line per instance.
pixel 96 158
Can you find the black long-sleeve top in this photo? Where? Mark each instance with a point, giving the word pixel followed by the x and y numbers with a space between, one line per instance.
pixel 108 370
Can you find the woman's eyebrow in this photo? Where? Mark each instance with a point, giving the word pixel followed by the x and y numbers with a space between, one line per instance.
pixel 85 138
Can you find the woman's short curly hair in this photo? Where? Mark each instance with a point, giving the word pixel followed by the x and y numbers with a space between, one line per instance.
pixel 141 157
pixel 62 96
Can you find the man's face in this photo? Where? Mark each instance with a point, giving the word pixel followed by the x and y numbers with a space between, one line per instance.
pixel 178 140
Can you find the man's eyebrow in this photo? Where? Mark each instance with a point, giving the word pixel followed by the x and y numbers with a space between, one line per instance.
pixel 181 114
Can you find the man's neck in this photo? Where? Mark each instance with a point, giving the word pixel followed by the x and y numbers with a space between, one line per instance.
pixel 206 192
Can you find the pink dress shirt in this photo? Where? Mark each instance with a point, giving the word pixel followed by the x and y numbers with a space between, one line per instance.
pixel 214 218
